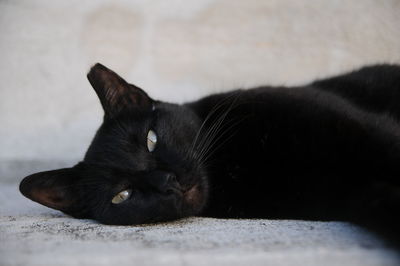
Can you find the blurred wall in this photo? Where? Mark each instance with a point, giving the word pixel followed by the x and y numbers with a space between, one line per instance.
pixel 176 50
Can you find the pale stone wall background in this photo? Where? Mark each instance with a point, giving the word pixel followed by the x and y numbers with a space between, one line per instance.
pixel 176 50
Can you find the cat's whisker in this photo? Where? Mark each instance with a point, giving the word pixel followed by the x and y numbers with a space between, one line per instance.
pixel 216 107
pixel 212 148
pixel 208 117
pixel 215 148
pixel 213 110
pixel 213 131
pixel 209 138
pixel 233 123
pixel 205 150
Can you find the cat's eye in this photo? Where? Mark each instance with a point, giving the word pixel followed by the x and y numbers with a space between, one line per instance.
pixel 151 140
pixel 122 196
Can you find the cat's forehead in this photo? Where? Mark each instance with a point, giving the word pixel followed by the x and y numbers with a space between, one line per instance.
pixel 122 141
pixel 179 113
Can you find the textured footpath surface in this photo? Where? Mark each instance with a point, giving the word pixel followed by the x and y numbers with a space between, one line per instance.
pixel 34 235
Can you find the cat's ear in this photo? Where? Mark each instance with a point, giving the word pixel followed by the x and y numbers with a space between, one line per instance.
pixel 115 93
pixel 54 189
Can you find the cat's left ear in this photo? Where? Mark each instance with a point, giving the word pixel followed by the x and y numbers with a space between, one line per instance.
pixel 55 189
pixel 115 93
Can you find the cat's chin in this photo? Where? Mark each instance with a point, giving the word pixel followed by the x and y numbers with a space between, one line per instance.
pixel 193 196
pixel 194 199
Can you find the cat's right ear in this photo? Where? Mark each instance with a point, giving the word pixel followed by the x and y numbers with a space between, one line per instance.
pixel 55 189
pixel 115 94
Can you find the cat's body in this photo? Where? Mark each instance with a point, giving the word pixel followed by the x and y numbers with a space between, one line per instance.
pixel 320 151
pixel 329 150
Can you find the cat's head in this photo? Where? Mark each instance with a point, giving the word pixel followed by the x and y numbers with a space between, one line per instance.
pixel 141 166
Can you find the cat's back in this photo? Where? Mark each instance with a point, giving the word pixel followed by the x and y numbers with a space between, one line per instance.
pixel 374 88
pixel 305 142
pixel 345 122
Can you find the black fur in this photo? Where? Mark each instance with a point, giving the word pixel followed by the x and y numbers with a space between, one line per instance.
pixel 325 151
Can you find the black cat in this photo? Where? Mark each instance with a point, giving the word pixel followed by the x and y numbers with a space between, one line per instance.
pixel 329 150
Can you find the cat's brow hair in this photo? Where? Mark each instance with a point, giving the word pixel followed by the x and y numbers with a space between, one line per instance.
pixel 91 181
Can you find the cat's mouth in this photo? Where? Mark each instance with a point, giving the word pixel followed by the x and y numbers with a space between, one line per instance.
pixel 193 200
pixel 192 194
pixel 191 197
pixel 185 192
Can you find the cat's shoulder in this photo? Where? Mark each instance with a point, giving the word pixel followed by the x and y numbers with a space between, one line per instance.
pixel 373 75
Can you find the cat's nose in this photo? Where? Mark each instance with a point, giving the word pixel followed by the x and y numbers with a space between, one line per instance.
pixel 171 178
pixel 164 182
pixel 172 185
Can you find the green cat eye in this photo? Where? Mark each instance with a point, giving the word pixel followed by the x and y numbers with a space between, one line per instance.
pixel 151 140
pixel 122 196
